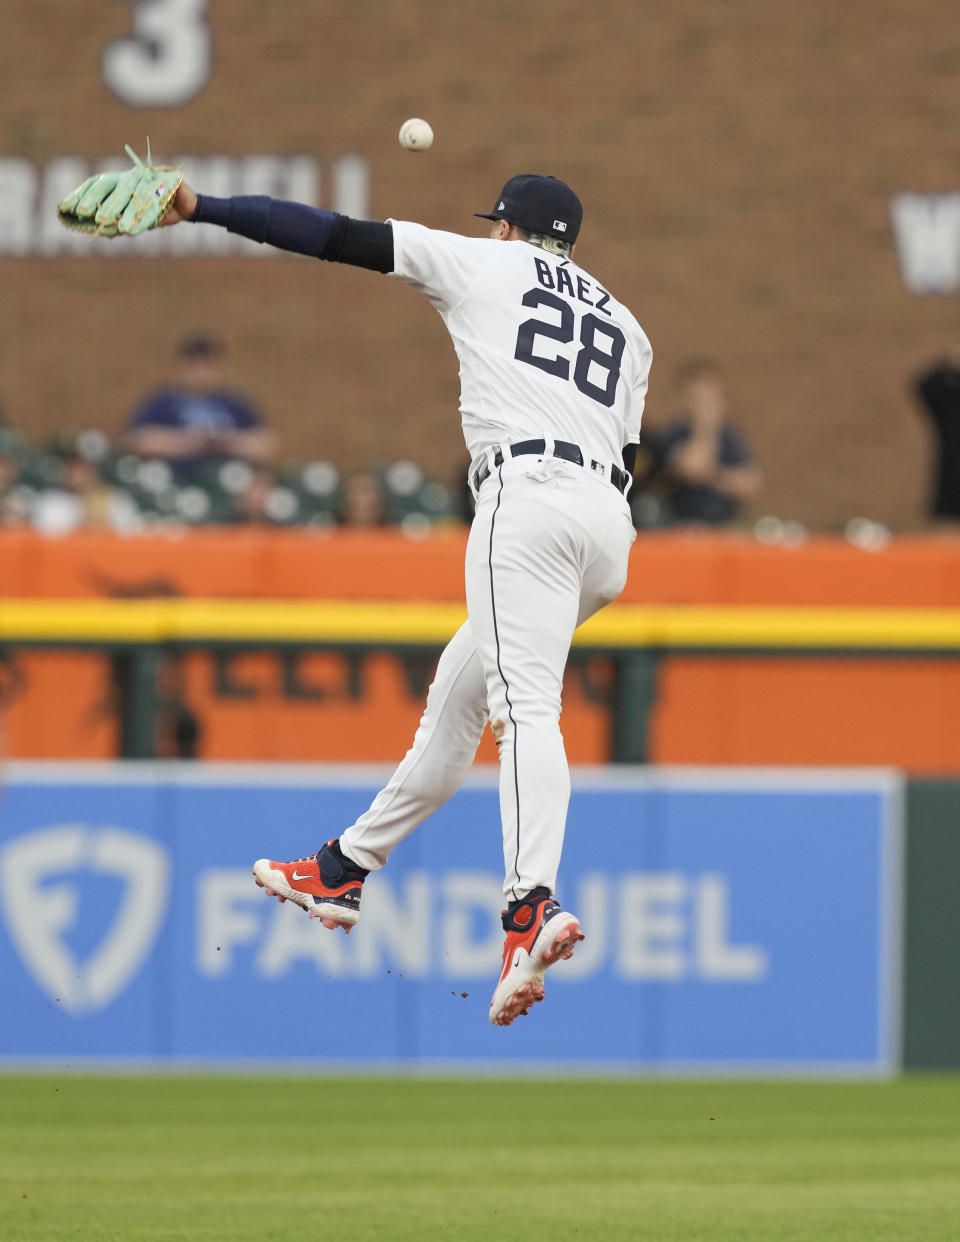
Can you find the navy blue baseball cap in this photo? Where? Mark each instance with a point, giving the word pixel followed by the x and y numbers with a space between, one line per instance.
pixel 541 204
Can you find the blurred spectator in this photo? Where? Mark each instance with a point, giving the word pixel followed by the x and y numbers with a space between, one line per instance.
pixel 262 499
pixel 362 501
pixel 13 508
pixel 196 421
pixel 707 468
pixel 252 499
pixel 938 390
pixel 79 498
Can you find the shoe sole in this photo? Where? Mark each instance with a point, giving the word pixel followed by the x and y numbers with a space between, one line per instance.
pixel 274 883
pixel 527 991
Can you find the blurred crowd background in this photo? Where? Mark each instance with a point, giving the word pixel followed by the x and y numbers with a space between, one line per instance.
pixel 197 452
pixel 772 191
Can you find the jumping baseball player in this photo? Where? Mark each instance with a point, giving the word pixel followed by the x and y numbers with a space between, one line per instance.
pixel 553 376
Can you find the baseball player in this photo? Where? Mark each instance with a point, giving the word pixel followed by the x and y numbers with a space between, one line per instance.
pixel 553 376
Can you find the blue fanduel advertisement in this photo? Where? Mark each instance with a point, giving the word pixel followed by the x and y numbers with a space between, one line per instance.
pixel 742 921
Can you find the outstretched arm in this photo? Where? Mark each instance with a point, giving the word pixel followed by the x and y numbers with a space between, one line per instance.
pixel 290 226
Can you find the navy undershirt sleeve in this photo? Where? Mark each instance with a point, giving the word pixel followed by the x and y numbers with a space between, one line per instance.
pixel 304 230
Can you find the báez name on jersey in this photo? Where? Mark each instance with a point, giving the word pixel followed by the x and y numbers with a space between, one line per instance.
pixel 561 280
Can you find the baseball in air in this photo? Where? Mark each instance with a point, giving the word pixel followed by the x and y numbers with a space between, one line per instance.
pixel 415 134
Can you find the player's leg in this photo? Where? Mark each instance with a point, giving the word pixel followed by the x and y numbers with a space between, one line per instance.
pixel 328 884
pixel 523 595
pixel 437 763
pixel 542 556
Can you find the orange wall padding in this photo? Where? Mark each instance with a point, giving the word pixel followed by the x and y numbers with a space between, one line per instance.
pixel 733 710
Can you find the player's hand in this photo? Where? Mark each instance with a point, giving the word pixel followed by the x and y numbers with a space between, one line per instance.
pixel 182 207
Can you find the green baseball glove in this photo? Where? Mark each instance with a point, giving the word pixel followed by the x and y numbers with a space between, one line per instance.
pixel 122 202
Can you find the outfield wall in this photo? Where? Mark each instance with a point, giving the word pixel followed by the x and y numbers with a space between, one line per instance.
pixel 869 707
pixel 737 921
pixel 931 1032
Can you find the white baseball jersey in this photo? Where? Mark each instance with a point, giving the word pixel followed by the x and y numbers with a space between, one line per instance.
pixel 544 349
pixel 545 353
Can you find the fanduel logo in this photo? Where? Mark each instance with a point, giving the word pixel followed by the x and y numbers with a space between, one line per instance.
pixel 641 926
pixel 41 907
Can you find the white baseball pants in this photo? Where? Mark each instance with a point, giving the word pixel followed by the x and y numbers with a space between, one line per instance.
pixel 548 547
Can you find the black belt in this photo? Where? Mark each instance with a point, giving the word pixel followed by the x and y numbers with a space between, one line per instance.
pixel 562 449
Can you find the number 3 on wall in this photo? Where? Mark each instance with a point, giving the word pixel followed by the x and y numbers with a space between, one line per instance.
pixel 168 58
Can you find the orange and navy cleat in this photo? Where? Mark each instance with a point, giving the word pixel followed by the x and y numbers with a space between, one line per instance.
pixel 327 884
pixel 539 933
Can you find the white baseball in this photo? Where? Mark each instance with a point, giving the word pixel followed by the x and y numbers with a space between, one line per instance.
pixel 415 134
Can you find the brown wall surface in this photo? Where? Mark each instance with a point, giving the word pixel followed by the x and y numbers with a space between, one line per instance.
pixel 736 163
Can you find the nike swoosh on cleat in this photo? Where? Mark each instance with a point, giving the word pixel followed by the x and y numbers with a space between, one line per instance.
pixel 516 960
pixel 297 876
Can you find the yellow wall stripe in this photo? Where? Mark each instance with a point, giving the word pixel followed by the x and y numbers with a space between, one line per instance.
pixel 265 621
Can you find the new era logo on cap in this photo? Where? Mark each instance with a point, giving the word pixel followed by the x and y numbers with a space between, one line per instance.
pixel 539 204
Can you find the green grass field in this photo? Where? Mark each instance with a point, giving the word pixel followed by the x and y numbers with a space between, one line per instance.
pixel 118 1159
